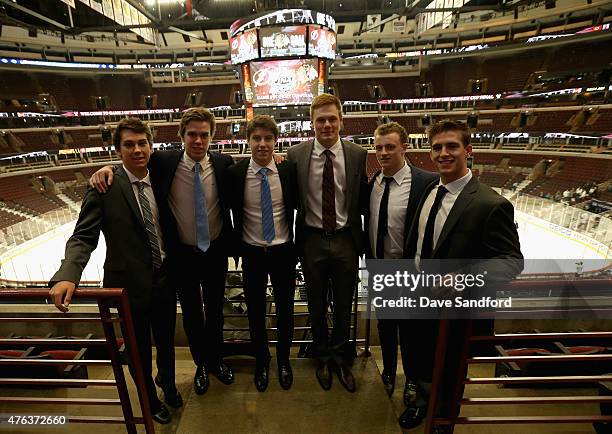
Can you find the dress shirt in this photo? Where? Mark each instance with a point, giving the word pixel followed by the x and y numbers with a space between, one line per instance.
pixel 252 232
pixel 399 193
pixel 182 204
pixel 314 199
pixel 454 189
pixel 148 192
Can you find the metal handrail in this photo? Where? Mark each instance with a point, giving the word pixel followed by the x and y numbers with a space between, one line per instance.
pixel 106 298
pixel 440 366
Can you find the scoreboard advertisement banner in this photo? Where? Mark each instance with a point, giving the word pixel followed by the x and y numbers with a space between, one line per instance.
pixel 284 82
pixel 244 47
pixel 283 41
pixel 322 43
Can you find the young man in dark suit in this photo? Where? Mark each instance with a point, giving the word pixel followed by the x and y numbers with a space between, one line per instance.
pixel 262 205
pixel 459 218
pixel 195 218
pixel 394 195
pixel 128 216
pixel 331 179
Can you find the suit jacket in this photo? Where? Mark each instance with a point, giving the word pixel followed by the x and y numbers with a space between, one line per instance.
pixel 355 157
pixel 419 181
pixel 236 177
pixel 163 165
pixel 479 226
pixel 128 261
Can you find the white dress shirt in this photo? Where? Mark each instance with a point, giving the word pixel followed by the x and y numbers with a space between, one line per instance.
pixel 454 189
pixel 252 232
pixel 399 193
pixel 182 203
pixel 314 198
pixel 148 192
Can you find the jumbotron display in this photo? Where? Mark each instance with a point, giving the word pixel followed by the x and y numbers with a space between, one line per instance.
pixel 284 82
pixel 299 42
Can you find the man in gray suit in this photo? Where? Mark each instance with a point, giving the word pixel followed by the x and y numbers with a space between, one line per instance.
pixel 331 176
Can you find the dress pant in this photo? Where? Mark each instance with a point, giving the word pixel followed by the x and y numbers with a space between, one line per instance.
pixel 388 332
pixel 160 317
pixel 330 258
pixel 258 263
pixel 200 277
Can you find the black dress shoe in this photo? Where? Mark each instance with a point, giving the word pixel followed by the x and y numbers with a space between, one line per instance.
pixel 172 397
pixel 411 391
pixel 261 377
pixel 388 380
pixel 201 380
pixel 346 377
pixel 324 375
pixel 412 417
pixel 161 414
pixel 285 374
pixel 222 372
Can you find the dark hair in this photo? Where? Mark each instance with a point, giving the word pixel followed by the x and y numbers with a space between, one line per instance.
pixel 449 125
pixel 390 128
pixel 197 114
pixel 262 121
pixel 131 124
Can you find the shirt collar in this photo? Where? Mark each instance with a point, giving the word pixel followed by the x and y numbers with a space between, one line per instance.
pixel 458 185
pixel 190 162
pixel 319 148
pixel 256 167
pixel 133 178
pixel 400 176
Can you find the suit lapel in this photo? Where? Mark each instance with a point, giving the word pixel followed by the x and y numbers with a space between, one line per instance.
pixel 349 171
pixel 283 174
pixel 303 168
pixel 462 202
pixel 123 183
pixel 243 167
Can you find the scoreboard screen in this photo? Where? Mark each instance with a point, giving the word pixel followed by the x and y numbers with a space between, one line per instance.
pixel 283 41
pixel 322 43
pixel 244 47
pixel 284 82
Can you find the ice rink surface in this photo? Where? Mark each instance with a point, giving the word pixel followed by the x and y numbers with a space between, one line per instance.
pixel 39 258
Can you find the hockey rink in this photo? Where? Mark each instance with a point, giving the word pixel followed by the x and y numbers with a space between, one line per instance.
pixel 38 259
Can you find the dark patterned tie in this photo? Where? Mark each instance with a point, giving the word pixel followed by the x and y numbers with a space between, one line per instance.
pixel 329 193
pixel 427 247
pixel 267 211
pixel 383 217
pixel 147 216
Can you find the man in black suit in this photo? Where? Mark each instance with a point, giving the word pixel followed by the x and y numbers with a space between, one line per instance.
pixel 262 205
pixel 128 216
pixel 394 195
pixel 331 178
pixel 195 218
pixel 459 218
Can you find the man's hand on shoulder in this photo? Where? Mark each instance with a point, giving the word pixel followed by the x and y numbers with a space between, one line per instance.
pixel 61 294
pixel 102 179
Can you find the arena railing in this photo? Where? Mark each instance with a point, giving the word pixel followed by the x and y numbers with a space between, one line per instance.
pixel 106 299
pixel 461 378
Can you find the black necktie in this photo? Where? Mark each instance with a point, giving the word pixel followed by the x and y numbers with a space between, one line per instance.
pixel 427 247
pixel 383 227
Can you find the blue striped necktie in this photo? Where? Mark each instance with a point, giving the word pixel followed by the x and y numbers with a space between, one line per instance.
pixel 201 214
pixel 267 217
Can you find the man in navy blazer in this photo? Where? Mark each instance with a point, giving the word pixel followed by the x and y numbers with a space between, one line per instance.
pixel 196 223
pixel 394 194
pixel 262 202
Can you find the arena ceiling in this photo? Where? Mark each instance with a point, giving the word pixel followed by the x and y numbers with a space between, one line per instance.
pixel 169 15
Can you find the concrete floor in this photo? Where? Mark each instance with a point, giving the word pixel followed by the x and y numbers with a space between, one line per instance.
pixel 306 408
